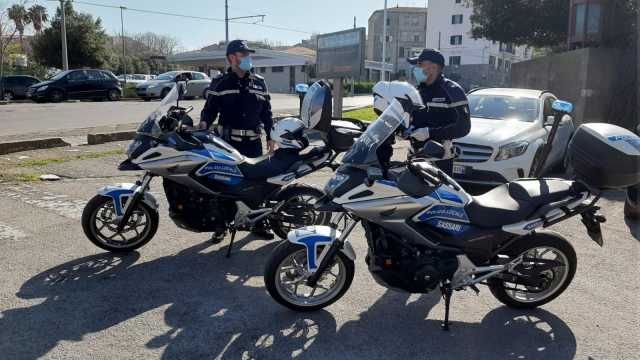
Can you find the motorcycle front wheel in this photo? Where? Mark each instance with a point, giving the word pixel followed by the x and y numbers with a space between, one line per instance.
pixel 286 273
pixel 100 227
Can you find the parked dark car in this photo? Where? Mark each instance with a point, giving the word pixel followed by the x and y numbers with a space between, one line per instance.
pixel 15 86
pixel 77 84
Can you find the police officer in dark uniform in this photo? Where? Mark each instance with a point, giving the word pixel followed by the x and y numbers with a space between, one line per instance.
pixel 446 113
pixel 241 102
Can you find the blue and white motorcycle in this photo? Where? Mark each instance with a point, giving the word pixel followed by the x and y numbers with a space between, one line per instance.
pixel 425 232
pixel 210 186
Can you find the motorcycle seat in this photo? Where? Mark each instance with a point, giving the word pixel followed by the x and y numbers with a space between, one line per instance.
pixel 269 165
pixel 516 201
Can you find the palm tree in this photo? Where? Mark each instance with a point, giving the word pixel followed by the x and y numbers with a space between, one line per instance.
pixel 38 16
pixel 20 17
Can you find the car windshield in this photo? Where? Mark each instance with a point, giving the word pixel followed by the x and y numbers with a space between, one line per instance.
pixel 151 126
pixel 363 153
pixel 504 107
pixel 167 76
pixel 60 75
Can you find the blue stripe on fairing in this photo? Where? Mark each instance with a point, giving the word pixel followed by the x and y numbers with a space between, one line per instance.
pixel 444 212
pixel 212 154
pixel 443 194
pixel 117 196
pixel 311 243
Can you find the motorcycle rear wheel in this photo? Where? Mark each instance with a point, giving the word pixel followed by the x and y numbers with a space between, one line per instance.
pixel 98 223
pixel 544 245
pixel 285 281
pixel 297 211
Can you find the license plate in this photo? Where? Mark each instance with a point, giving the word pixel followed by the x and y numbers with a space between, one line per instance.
pixel 459 169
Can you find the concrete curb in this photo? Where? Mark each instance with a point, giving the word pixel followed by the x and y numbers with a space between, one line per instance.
pixel 101 138
pixel 35 144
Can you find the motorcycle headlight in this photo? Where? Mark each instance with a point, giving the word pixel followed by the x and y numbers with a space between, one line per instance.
pixel 42 88
pixel 335 182
pixel 511 150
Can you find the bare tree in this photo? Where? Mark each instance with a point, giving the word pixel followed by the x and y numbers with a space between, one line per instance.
pixel 8 33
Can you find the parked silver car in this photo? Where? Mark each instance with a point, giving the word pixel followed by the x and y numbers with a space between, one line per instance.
pixel 162 84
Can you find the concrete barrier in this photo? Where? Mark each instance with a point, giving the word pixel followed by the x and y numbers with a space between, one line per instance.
pixel 101 138
pixel 35 144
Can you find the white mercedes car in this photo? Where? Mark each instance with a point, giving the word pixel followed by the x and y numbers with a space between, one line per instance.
pixel 508 129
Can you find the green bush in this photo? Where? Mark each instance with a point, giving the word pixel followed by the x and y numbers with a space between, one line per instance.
pixel 359 87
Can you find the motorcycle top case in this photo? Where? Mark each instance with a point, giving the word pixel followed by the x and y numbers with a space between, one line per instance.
pixel 605 156
pixel 342 135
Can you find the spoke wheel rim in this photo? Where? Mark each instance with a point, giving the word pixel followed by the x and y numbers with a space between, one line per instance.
pixel 134 232
pixel 308 216
pixel 291 281
pixel 555 277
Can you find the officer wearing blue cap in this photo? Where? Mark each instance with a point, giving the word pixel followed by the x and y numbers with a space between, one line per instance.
pixel 446 113
pixel 241 102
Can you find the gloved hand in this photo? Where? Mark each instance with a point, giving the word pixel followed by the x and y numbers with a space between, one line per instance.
pixel 421 134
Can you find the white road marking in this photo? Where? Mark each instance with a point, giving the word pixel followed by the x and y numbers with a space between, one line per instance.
pixel 9 233
pixel 59 204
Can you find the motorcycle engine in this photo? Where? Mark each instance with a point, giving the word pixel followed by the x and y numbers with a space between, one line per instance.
pixel 195 211
pixel 397 264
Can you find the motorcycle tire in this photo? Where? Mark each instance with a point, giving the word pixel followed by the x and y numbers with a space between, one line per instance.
pixel 273 284
pixel 543 239
pixel 291 207
pixel 94 233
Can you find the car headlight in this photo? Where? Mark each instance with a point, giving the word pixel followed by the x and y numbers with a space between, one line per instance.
pixel 336 181
pixel 512 150
pixel 42 88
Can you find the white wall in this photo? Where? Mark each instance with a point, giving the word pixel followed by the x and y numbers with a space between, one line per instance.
pixel 278 82
pixel 471 51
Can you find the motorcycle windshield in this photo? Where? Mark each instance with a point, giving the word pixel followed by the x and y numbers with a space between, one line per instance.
pixel 151 126
pixel 363 153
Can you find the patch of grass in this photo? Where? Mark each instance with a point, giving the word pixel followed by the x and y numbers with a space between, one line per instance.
pixel 364 114
pixel 94 155
pixel 19 177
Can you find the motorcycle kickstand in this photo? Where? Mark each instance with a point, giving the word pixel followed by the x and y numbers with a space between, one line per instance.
pixel 447 292
pixel 233 236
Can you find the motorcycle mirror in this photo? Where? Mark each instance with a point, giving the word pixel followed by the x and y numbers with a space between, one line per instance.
pixel 432 150
pixel 302 88
pixel 562 106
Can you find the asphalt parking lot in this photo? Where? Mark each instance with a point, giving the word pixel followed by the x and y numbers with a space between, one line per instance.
pixel 180 298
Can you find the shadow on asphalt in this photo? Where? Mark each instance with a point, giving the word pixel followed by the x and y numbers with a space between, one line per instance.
pixel 217 308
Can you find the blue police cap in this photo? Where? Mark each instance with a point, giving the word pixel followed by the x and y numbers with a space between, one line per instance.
pixel 431 55
pixel 235 46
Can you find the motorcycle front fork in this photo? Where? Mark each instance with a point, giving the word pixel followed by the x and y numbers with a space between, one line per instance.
pixel 132 201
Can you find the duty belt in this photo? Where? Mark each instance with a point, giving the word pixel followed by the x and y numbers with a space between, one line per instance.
pixel 238 134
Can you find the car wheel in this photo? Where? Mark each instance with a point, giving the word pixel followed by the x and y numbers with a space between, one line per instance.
pixel 8 96
pixel 56 96
pixel 113 95
pixel 164 93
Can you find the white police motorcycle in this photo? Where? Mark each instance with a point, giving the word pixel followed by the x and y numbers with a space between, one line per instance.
pixel 425 232
pixel 209 185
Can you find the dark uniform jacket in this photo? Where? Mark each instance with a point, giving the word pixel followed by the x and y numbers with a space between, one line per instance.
pixel 241 103
pixel 446 111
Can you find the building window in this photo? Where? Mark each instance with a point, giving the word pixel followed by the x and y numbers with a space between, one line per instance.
pixel 458 1
pixel 507 47
pixel 581 11
pixel 456 40
pixel 277 69
pixel 388 20
pixel 416 38
pixel 526 51
pixel 262 70
pixel 456 19
pixel 401 52
pixel 454 60
pixel 492 60
pixel 507 65
pixel 593 19
pixel 303 68
pixel 500 61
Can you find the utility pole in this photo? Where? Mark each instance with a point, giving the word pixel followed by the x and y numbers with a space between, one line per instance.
pixel 63 31
pixel 124 59
pixel 354 22
pixel 226 22
pixel 384 43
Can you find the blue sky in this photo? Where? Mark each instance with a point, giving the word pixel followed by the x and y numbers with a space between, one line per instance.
pixel 308 16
